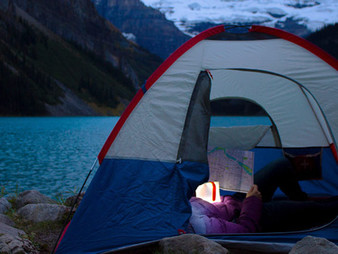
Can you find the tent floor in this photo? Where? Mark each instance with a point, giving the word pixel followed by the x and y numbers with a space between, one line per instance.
pixel 234 247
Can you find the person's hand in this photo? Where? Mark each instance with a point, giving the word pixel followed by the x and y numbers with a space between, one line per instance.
pixel 254 192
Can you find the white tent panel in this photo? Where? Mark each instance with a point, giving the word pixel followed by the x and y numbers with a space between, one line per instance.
pixel 289 60
pixel 320 117
pixel 282 99
pixel 243 54
pixel 154 128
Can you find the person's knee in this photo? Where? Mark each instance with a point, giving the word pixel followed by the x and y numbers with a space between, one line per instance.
pixel 281 166
pixel 285 163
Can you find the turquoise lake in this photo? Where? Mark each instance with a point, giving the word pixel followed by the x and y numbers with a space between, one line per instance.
pixel 50 154
pixel 55 154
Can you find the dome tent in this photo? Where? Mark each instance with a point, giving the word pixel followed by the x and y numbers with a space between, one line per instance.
pixel 156 155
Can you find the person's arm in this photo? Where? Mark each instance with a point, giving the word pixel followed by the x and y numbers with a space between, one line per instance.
pixel 251 210
pixel 207 219
pixel 250 214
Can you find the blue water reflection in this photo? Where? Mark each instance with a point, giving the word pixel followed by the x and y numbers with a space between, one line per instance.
pixel 50 154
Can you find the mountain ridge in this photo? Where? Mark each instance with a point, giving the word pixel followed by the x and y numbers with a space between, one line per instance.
pixel 80 79
pixel 146 26
pixel 79 21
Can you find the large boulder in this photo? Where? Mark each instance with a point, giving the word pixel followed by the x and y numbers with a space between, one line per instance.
pixel 191 243
pixel 4 205
pixel 32 197
pixel 6 220
pixel 12 241
pixel 8 230
pixel 16 245
pixel 314 245
pixel 43 212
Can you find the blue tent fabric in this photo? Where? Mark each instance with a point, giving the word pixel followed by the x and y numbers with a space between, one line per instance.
pixel 124 200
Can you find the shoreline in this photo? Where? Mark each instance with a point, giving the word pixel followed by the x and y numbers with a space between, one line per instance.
pixel 31 222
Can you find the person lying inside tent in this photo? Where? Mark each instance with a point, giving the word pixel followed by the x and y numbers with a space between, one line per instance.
pixel 258 212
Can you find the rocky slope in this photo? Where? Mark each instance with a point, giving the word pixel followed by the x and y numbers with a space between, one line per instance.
pixel 146 26
pixel 79 21
pixel 63 58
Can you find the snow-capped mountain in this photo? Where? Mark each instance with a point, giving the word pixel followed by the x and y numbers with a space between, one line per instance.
pixel 192 16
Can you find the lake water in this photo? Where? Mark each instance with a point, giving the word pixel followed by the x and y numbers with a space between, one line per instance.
pixel 54 154
pixel 50 154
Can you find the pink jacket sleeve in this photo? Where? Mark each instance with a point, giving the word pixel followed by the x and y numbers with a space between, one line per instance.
pixel 250 215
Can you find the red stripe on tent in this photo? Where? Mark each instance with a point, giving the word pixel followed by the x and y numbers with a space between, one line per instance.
pixel 63 234
pixel 213 191
pixel 119 125
pixel 180 51
pixel 152 79
pixel 299 41
pixel 334 151
pixel 210 74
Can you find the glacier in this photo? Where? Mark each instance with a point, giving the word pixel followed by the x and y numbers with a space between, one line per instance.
pixel 313 14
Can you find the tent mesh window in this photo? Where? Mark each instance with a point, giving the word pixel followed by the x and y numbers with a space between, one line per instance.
pixel 194 140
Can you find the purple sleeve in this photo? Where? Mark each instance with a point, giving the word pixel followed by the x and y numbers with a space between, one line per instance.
pixel 250 214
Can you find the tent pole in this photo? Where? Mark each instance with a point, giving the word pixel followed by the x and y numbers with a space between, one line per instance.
pixel 73 205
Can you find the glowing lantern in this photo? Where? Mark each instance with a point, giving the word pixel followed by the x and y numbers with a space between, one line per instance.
pixel 209 192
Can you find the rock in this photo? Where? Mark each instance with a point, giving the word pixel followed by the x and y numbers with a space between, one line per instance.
pixel 314 245
pixel 32 197
pixel 16 245
pixel 6 220
pixel 8 230
pixel 191 243
pixel 11 241
pixel 43 212
pixel 70 201
pixel 4 205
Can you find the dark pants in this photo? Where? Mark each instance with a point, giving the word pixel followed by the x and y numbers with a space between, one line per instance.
pixel 295 213
pixel 279 173
pixel 289 215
